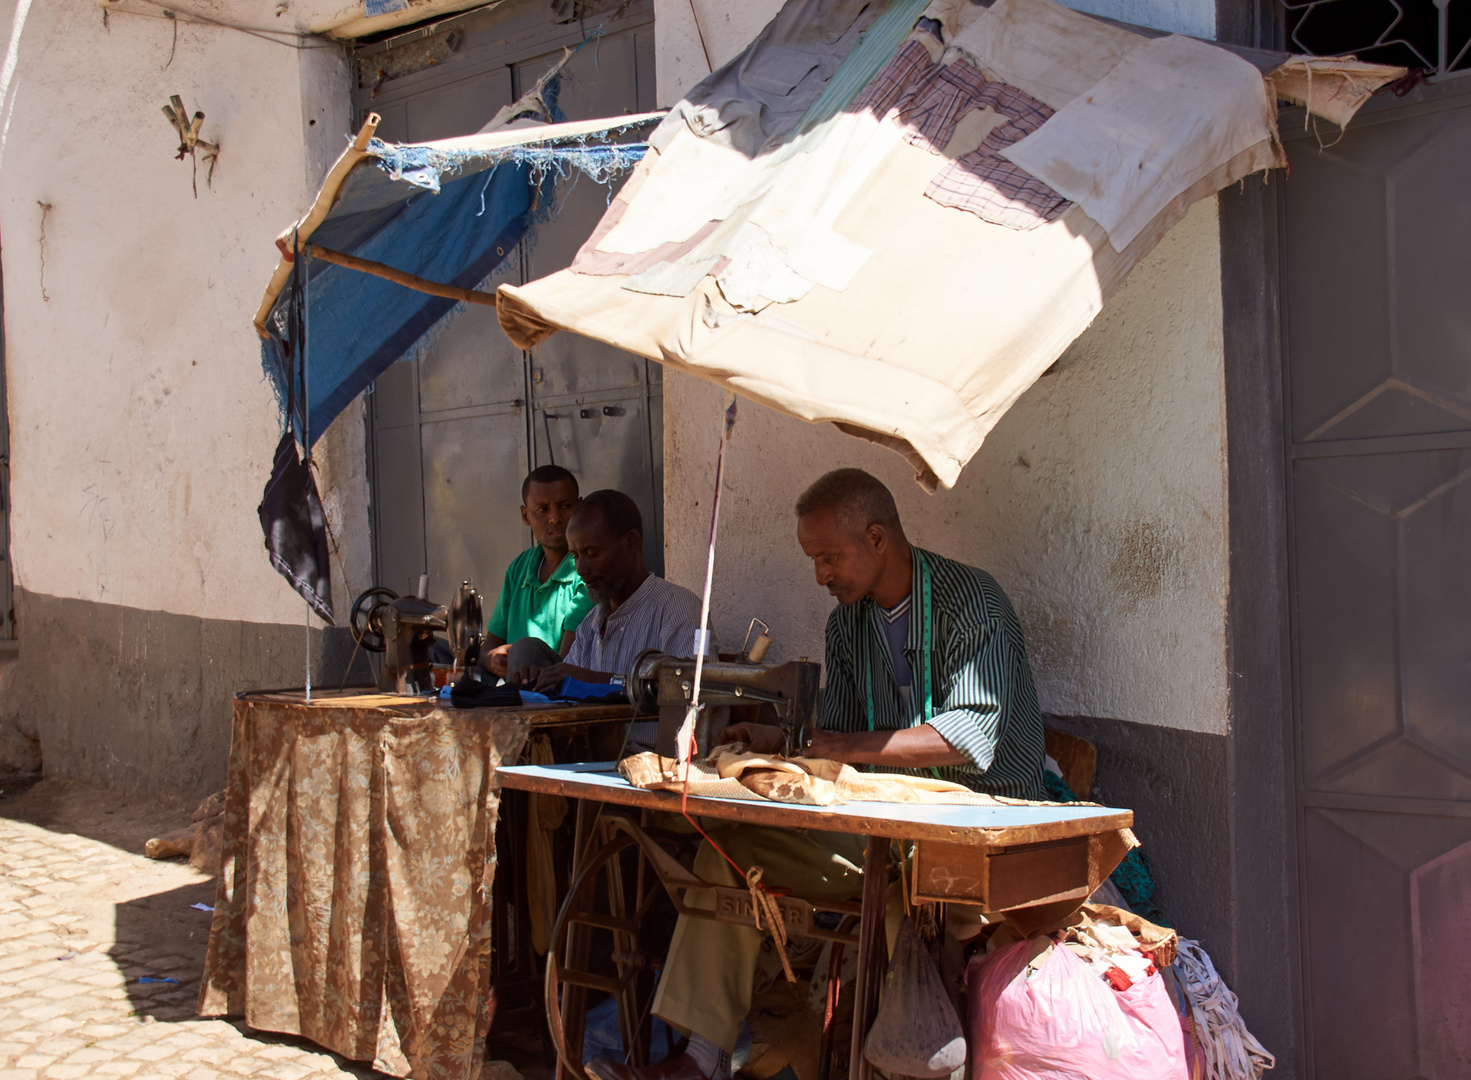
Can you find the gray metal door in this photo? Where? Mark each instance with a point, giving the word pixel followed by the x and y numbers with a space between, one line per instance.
pixel 1378 335
pixel 455 433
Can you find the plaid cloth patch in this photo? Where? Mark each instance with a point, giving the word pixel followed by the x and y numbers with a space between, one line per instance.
pixel 908 65
pixel 982 181
pixel 929 100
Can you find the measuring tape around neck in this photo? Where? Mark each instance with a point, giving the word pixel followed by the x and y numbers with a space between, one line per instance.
pixel 920 583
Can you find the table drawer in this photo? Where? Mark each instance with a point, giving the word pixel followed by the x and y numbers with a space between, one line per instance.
pixel 999 879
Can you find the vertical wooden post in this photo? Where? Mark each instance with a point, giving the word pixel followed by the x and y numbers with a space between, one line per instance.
pixel 873 952
pixel 574 998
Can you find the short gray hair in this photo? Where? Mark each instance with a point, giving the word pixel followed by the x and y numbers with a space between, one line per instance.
pixel 858 500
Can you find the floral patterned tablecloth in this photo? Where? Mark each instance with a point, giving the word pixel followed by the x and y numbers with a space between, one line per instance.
pixel 354 903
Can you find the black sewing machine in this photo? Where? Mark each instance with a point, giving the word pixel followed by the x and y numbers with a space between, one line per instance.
pixel 731 691
pixel 404 628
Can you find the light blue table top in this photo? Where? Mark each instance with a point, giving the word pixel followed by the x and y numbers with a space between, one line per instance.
pixel 601 781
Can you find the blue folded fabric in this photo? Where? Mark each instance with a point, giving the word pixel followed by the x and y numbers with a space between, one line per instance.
pixel 576 690
pixel 531 697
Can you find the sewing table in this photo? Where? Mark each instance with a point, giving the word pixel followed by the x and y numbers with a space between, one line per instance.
pixel 358 903
pixel 1033 862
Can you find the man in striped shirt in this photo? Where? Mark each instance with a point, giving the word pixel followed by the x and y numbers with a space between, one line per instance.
pixel 926 671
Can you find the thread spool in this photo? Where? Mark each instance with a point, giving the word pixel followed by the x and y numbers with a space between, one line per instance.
pixel 759 647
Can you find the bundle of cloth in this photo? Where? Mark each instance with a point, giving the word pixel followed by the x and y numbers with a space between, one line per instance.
pixel 731 772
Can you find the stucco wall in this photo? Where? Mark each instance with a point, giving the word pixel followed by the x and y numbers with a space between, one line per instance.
pixel 1098 502
pixel 142 427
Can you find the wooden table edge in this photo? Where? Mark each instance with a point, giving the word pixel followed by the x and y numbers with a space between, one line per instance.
pixel 780 814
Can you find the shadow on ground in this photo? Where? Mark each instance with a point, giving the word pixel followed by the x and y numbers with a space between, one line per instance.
pixel 115 818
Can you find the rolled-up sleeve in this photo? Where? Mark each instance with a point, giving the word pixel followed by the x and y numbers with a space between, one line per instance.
pixel 969 719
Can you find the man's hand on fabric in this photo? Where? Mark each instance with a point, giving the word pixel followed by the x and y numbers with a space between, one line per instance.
pixel 759 738
pixel 549 679
pixel 497 659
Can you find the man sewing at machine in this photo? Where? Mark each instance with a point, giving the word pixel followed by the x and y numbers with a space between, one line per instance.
pixel 635 609
pixel 542 599
pixel 926 671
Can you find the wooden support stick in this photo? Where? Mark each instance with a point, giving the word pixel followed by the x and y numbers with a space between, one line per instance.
pixel 873 950
pixel 399 277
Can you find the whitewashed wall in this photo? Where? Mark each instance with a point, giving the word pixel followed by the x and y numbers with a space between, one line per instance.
pixel 142 426
pixel 1099 501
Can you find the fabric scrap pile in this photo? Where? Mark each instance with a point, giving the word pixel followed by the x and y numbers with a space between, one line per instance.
pixel 895 217
pixel 1111 997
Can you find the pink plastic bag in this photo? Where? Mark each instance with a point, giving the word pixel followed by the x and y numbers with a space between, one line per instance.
pixel 1065 1023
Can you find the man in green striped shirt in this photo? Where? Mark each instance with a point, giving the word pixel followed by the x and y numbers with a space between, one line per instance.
pixel 926 672
pixel 926 662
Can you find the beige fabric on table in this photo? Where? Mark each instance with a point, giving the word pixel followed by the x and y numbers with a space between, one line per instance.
pixel 706 985
pixel 823 283
pixel 733 774
pixel 354 904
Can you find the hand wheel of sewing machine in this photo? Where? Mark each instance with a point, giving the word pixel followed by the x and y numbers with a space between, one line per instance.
pixel 366 620
pixel 610 894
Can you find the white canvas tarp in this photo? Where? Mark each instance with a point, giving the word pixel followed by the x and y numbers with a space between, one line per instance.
pixel 907 254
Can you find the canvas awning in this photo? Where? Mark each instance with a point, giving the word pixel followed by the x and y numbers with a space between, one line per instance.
pixel 441 216
pixel 895 217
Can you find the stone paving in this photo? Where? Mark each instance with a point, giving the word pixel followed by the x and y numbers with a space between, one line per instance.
pixel 83 924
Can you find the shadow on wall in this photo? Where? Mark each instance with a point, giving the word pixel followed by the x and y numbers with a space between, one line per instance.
pixel 141 700
pixel 1175 782
pixel 20 744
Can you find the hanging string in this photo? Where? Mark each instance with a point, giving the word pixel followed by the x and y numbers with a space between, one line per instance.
pixel 684 741
pixel 763 898
pixel 306 440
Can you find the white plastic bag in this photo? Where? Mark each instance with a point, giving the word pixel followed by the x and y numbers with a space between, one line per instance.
pixel 916 1032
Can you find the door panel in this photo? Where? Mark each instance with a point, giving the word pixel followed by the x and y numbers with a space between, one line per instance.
pixel 456 431
pixel 472 363
pixel 606 444
pixel 473 467
pixel 460 108
pixel 1378 373
pixel 1383 221
pixel 398 507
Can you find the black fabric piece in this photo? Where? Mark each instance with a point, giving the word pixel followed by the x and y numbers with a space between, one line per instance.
pixel 471 693
pixel 295 527
pixel 290 510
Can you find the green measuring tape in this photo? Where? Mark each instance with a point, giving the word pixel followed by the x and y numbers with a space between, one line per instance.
pixel 926 642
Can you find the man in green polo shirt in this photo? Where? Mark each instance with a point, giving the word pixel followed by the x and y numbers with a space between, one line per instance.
pixel 542 600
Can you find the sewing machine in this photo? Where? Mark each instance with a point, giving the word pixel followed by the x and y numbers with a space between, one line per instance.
pixel 731 691
pixel 403 627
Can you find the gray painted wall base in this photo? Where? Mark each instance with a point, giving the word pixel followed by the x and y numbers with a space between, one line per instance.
pixel 1175 782
pixel 141 700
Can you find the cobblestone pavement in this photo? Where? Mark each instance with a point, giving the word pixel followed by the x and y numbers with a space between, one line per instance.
pixel 83 925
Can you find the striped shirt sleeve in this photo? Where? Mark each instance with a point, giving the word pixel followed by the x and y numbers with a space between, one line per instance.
pixel 970 714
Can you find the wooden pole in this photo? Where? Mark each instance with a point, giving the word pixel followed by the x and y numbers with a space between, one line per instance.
pixel 399 277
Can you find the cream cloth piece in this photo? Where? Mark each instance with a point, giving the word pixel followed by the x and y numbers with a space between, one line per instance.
pixel 1043 48
pixel 1172 111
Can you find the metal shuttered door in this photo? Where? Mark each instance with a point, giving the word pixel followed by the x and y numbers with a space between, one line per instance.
pixel 1378 333
pixel 454 434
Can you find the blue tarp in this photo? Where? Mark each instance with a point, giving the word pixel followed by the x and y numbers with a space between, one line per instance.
pixel 449 212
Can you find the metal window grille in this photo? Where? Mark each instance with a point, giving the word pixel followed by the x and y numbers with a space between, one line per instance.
pixel 1434 35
